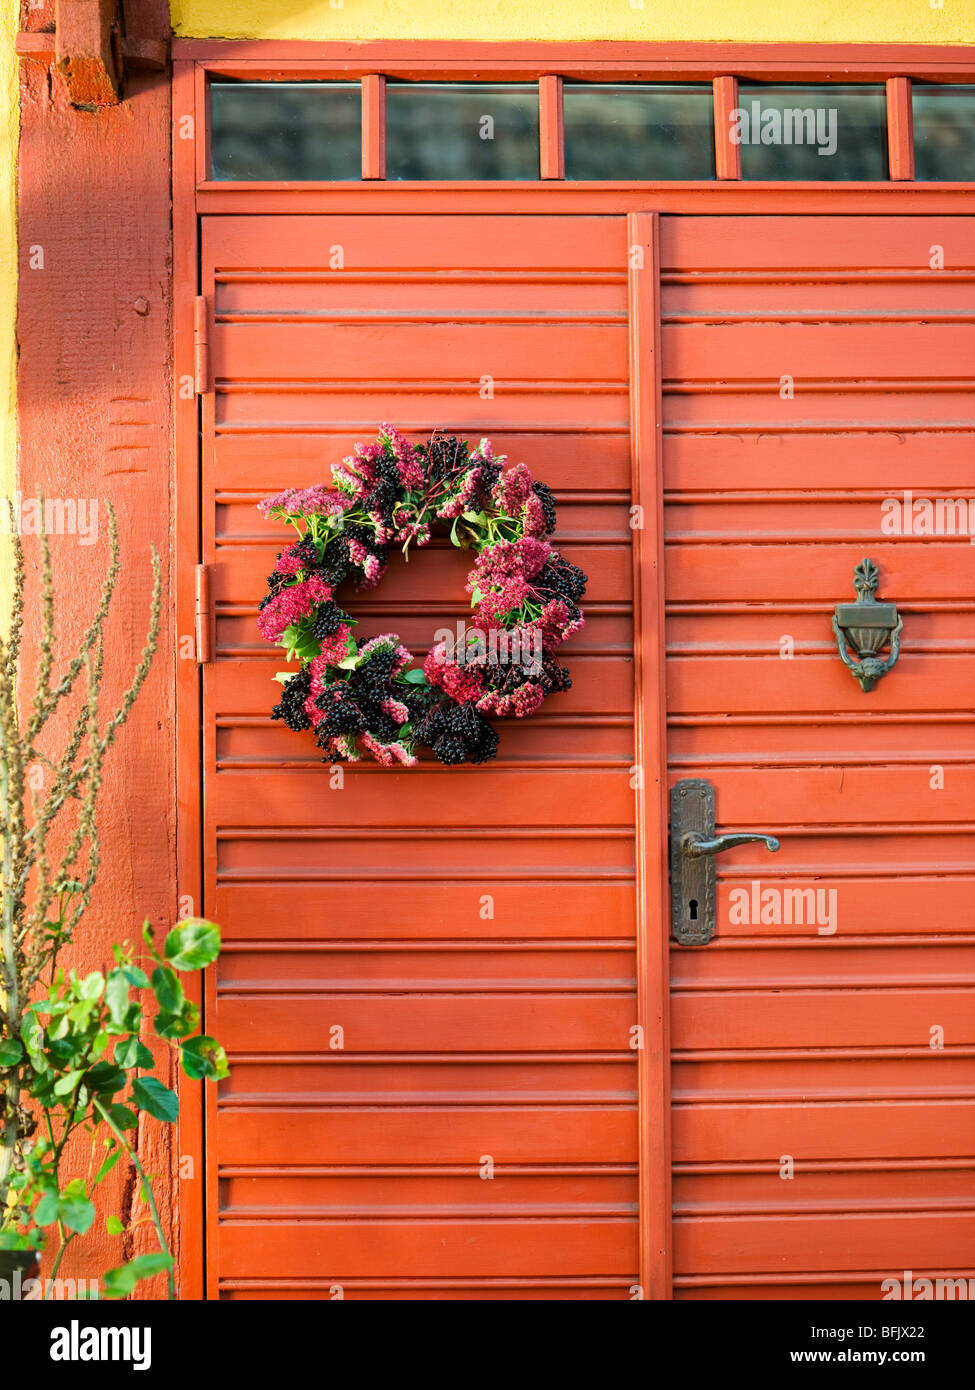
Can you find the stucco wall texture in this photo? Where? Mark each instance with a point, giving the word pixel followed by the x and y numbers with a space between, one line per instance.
pixel 742 21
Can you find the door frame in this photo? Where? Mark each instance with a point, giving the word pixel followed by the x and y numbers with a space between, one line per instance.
pixel 642 203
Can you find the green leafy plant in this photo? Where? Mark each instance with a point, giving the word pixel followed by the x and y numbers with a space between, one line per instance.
pixel 72 1060
pixel 85 1067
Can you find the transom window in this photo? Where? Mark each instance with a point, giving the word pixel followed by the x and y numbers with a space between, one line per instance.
pixel 585 131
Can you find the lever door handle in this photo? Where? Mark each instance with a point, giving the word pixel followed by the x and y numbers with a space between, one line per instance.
pixel 694 844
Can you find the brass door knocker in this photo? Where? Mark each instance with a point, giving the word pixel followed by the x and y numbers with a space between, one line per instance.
pixel 867 627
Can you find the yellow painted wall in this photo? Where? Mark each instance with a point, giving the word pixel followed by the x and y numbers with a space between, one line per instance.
pixel 747 21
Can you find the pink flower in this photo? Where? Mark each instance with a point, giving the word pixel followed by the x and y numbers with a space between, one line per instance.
pixel 291 605
pixel 356 474
pixel 318 501
pixel 289 563
pixel 463 498
pixel 396 710
pixel 459 683
pixel 533 516
pixel 555 624
pixel 388 753
pixel 484 453
pixel 512 489
pixel 524 558
pixel 311 709
pixel 413 531
pixel 345 746
pixel 520 703
pixel 407 459
pixel 332 650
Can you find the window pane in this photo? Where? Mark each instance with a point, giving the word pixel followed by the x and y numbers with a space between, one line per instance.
pixel 944 132
pixel 638 131
pixel 285 130
pixel 462 130
pixel 812 131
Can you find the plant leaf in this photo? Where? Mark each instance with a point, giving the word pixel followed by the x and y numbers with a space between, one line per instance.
pixel 177 1025
pixel 66 1084
pixel 108 1164
pixel 47 1209
pixel 77 1213
pixel 114 1226
pixel 10 1053
pixel 117 996
pixel 92 985
pixel 155 1098
pixel 123 1117
pixel 130 1052
pixel 204 1059
pixel 116 1283
pixel 167 989
pixel 193 944
pixel 105 1079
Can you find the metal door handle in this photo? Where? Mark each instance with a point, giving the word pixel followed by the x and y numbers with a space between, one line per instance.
pixel 693 845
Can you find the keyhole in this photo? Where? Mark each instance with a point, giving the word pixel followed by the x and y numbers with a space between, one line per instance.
pixel 692 906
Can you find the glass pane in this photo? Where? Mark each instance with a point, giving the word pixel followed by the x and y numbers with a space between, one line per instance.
pixel 944 132
pixel 285 130
pixel 462 130
pixel 638 131
pixel 811 131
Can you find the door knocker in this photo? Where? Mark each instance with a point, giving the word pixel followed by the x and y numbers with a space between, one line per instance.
pixel 866 627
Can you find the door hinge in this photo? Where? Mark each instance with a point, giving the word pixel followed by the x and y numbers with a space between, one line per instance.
pixel 201 345
pixel 204 651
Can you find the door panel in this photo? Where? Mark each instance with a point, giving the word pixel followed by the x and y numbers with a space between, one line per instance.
pixel 821 1142
pixel 470 1040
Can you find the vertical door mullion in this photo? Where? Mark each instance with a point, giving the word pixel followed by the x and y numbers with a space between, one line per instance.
pixel 652 925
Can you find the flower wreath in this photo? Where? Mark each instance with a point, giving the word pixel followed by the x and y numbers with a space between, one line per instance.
pixel 363 696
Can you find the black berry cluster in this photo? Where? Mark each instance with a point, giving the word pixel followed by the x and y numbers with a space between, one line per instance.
pixel 291 706
pixel 457 734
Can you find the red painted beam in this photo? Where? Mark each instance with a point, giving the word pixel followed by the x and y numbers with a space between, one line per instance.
pixel 88 54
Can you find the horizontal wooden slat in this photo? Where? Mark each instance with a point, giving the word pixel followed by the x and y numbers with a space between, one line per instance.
pixel 564 460
pixel 896 1241
pixel 822 351
pixel 450 1134
pixel 388 1079
pixel 309 352
pixel 433 908
pixel 484 243
pixel 428 1023
pixel 890 463
pixel 600 685
pixel 885 1129
pixel 810 243
pixel 812 1018
pixel 349 1248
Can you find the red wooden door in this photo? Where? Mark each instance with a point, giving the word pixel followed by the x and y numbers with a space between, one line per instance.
pixel 815 370
pixel 429 984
